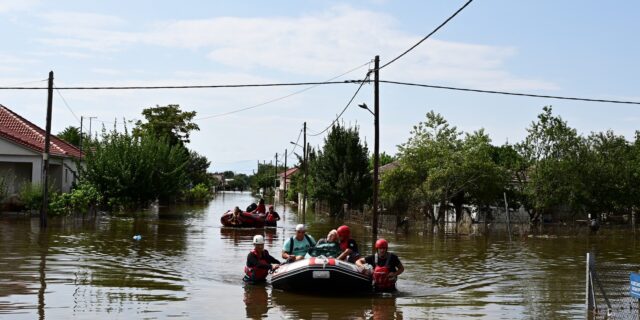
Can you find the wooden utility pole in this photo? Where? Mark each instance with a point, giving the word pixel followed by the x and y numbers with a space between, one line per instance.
pixel 81 134
pixel 304 160
pixel 284 197
pixel 275 180
pixel 376 149
pixel 45 168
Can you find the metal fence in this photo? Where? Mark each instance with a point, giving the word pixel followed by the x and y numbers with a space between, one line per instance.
pixel 607 290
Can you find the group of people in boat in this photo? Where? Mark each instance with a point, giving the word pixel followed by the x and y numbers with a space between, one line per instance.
pixel 271 217
pixel 385 266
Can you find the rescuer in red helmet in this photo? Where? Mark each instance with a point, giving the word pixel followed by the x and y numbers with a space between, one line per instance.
pixel 348 246
pixel 387 267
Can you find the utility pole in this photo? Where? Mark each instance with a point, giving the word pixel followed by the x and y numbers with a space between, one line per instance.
pixel 275 180
pixel 90 120
pixel 284 197
pixel 81 134
pixel 376 148
pixel 45 156
pixel 304 160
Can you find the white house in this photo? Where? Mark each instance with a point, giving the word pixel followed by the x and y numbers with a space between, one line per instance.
pixel 21 153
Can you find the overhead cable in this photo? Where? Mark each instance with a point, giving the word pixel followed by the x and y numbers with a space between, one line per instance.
pixel 429 35
pixel 362 82
pixel 67 105
pixel 510 93
pixel 283 97
pixel 214 86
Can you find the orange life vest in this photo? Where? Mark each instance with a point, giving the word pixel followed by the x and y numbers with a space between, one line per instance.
pixel 381 280
pixel 255 274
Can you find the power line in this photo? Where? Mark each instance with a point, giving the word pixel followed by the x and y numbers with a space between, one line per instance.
pixel 429 35
pixel 283 97
pixel 67 105
pixel 295 145
pixel 362 82
pixel 27 82
pixel 252 85
pixel 510 93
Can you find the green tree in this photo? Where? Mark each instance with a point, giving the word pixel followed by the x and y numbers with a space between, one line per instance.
pixel 133 171
pixel 607 174
pixel 384 159
pixel 554 153
pixel 341 171
pixel 71 135
pixel 167 122
pixel 442 168
pixel 239 181
pixel 197 170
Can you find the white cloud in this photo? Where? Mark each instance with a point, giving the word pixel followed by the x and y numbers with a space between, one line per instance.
pixel 17 5
pixel 318 45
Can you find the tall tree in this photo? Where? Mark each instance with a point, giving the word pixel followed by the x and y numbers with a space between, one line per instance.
pixel 341 170
pixel 167 122
pixel 554 153
pixel 71 135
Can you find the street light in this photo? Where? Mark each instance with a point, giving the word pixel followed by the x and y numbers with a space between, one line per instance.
pixel 304 165
pixel 364 106
pixel 376 147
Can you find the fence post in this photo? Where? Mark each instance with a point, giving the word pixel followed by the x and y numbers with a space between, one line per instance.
pixel 588 293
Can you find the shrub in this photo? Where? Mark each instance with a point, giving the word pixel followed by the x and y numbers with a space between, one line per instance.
pixel 79 200
pixel 31 195
pixel 199 193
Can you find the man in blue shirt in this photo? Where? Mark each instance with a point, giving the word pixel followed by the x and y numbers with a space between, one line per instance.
pixel 296 247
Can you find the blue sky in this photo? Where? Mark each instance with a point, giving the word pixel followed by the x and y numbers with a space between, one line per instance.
pixel 569 48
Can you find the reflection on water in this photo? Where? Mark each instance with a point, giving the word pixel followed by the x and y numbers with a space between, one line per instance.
pixel 187 266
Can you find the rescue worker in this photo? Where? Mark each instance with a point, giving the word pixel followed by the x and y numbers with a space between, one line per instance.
pixel 259 262
pixel 387 267
pixel 272 217
pixel 295 248
pixel 261 209
pixel 348 246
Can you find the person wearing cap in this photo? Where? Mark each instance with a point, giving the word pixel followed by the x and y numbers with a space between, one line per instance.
pixel 259 262
pixel 348 246
pixel 387 267
pixel 296 247
pixel 272 217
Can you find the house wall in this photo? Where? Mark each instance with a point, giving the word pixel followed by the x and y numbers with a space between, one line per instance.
pixel 14 158
pixel 15 174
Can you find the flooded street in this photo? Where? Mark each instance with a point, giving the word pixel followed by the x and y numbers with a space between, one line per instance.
pixel 187 266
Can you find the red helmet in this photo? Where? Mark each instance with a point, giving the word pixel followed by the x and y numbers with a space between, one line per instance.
pixel 344 232
pixel 382 243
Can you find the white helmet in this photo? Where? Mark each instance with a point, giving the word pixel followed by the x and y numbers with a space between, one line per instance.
pixel 258 239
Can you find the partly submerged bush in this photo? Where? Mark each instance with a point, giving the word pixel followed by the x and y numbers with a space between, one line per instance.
pixel 80 200
pixel 199 193
pixel 130 171
pixel 30 195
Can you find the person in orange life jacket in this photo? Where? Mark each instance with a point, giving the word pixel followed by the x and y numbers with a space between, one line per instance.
pixel 348 246
pixel 295 248
pixel 387 266
pixel 261 209
pixel 259 262
pixel 272 216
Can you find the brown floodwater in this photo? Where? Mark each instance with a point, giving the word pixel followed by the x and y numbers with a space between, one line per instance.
pixel 187 266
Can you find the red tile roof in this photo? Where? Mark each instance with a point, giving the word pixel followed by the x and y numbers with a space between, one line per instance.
pixel 20 131
pixel 289 172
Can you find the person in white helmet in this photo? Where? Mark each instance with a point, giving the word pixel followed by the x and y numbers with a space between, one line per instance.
pixel 259 262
